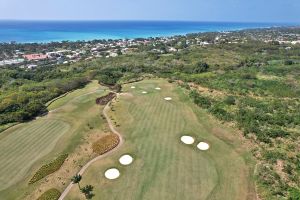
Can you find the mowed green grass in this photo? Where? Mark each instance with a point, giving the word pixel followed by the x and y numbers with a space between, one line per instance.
pixel 28 143
pixel 165 168
pixel 26 147
pixel 76 94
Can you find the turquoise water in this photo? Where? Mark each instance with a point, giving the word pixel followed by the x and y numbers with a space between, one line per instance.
pixel 48 31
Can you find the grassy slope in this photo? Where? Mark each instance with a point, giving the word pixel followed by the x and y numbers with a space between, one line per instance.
pixel 27 146
pixel 164 168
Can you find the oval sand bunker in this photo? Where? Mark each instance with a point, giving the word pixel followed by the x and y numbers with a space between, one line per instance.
pixel 158 88
pixel 187 139
pixel 112 173
pixel 144 92
pixel 132 87
pixel 168 98
pixel 203 146
pixel 126 160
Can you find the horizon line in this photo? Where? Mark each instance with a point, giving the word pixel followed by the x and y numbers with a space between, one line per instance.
pixel 145 20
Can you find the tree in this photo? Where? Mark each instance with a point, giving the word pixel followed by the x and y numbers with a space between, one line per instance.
pixel 201 67
pixel 87 191
pixel 76 179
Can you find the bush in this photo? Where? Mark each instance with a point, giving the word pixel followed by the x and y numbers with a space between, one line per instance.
pixel 230 100
pixel 294 194
pixel 105 144
pixel 51 194
pixel 49 168
pixel 201 101
pixel 288 62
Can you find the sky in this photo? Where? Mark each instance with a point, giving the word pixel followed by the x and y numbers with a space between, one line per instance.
pixel 185 10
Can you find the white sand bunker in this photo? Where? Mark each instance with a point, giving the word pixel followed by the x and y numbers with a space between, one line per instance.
pixel 203 146
pixel 126 160
pixel 112 173
pixel 158 88
pixel 168 98
pixel 132 87
pixel 144 92
pixel 187 139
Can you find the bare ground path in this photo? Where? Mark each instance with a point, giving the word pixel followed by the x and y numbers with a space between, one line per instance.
pixel 83 169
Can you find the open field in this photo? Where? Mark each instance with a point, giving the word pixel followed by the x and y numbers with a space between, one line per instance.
pixel 26 147
pixel 163 167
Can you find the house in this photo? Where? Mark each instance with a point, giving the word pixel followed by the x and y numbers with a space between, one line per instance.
pixel 31 57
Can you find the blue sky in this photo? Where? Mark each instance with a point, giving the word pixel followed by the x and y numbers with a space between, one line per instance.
pixel 194 10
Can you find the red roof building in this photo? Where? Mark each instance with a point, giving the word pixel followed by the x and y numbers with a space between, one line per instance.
pixel 35 56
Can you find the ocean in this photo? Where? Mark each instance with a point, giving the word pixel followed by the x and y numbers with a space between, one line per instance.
pixel 49 31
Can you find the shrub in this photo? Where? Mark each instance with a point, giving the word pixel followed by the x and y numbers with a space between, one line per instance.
pixel 294 194
pixel 201 101
pixel 49 168
pixel 230 100
pixel 288 62
pixel 105 144
pixel 220 113
pixel 51 194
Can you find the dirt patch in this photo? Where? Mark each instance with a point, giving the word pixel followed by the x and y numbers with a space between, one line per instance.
pixel 279 169
pixel 105 99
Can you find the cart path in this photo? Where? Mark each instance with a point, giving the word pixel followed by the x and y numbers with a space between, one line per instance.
pixel 84 168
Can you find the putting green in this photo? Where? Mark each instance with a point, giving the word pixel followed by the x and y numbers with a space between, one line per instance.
pixel 24 146
pixel 164 167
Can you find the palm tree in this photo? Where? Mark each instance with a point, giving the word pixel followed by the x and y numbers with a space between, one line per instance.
pixel 87 191
pixel 76 179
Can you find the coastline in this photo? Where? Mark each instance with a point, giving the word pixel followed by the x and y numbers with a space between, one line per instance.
pixel 45 32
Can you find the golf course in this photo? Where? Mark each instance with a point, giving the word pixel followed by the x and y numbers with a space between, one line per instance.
pixel 27 146
pixel 151 122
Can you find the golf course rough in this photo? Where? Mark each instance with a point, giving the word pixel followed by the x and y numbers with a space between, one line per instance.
pixel 164 167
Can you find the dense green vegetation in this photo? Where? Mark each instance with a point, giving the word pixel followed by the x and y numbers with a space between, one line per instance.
pixel 24 94
pixel 264 102
pixel 49 168
pixel 51 194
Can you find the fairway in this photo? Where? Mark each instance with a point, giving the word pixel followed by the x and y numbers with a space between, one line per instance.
pixel 24 146
pixel 164 167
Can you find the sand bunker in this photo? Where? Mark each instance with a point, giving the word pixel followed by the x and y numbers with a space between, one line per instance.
pixel 132 87
pixel 203 146
pixel 168 98
pixel 144 92
pixel 112 173
pixel 187 139
pixel 126 160
pixel 158 88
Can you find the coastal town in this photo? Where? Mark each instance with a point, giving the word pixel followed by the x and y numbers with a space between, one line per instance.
pixel 32 55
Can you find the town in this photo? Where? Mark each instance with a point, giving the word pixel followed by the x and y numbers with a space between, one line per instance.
pixel 32 55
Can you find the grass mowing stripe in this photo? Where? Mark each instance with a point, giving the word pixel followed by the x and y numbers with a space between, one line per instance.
pixel 24 136
pixel 27 140
pixel 33 157
pixel 15 165
pixel 32 148
pixel 17 137
pixel 164 167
